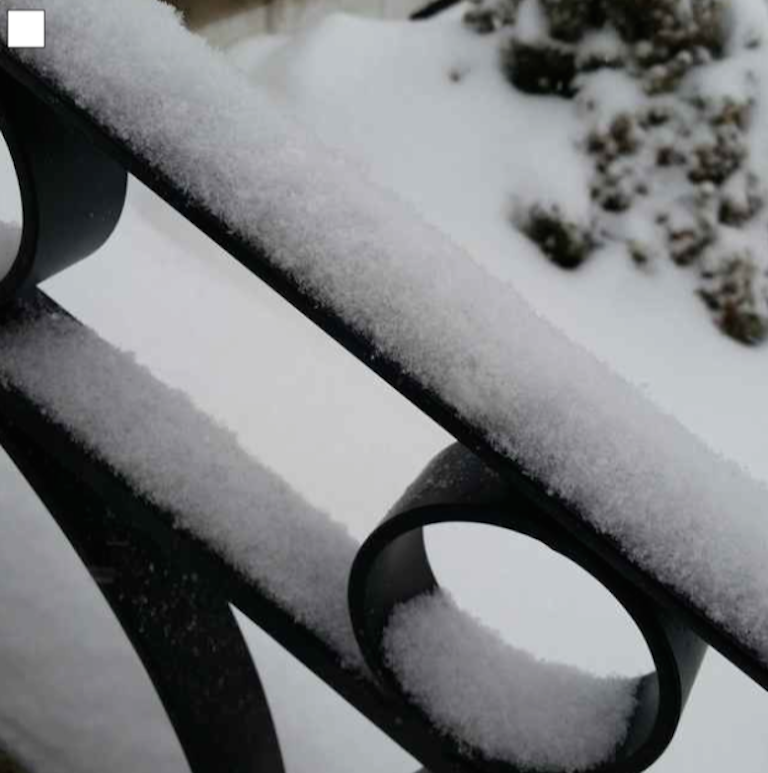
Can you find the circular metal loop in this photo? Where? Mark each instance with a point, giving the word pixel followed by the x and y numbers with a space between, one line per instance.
pixel 392 568
pixel 72 193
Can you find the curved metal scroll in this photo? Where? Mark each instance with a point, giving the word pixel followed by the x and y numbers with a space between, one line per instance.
pixel 198 661
pixel 126 540
pixel 169 589
pixel 177 621
pixel 256 259
pixel 72 193
pixel 392 568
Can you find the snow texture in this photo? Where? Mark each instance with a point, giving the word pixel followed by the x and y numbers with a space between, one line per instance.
pixel 686 515
pixel 504 701
pixel 185 463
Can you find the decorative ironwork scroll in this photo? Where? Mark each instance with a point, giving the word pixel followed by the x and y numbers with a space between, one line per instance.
pixel 72 175
pixel 170 592
pixel 71 194
pixel 392 568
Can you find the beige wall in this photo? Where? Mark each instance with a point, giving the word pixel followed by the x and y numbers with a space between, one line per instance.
pixel 225 21
pixel 200 12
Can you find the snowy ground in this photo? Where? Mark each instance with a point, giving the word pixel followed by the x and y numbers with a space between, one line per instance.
pixel 384 93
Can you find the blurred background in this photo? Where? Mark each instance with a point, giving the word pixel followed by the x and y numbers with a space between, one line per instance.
pixel 227 21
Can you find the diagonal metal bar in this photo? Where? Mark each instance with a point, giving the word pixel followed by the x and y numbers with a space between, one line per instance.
pixel 169 589
pixel 392 568
pixel 134 552
pixel 469 434
pixel 179 624
pixel 27 430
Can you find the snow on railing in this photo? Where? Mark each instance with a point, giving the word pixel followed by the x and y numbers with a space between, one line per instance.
pixel 187 466
pixel 654 506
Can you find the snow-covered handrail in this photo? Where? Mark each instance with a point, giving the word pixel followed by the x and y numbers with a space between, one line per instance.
pixel 580 446
pixel 174 519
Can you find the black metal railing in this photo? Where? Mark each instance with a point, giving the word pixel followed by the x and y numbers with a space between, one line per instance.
pixel 72 173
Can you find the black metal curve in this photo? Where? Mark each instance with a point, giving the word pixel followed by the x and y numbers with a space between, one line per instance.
pixel 31 428
pixel 188 703
pixel 415 734
pixel 72 193
pixel 392 567
pixel 471 435
pixel 45 181
pixel 177 621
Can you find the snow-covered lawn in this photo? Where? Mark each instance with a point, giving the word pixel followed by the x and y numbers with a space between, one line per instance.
pixel 387 94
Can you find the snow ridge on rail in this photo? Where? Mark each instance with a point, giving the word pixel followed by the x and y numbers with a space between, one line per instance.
pixel 689 517
pixel 182 461
pixel 505 702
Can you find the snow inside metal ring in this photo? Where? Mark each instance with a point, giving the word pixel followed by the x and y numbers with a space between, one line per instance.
pixel 72 193
pixel 561 719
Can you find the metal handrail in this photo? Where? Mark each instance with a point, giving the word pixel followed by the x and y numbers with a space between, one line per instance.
pixel 121 524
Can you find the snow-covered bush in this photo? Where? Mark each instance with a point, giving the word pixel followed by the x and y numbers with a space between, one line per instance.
pixel 668 93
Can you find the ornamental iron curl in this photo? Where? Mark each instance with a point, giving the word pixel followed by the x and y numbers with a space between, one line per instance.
pixel 72 195
pixel 72 175
pixel 392 568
